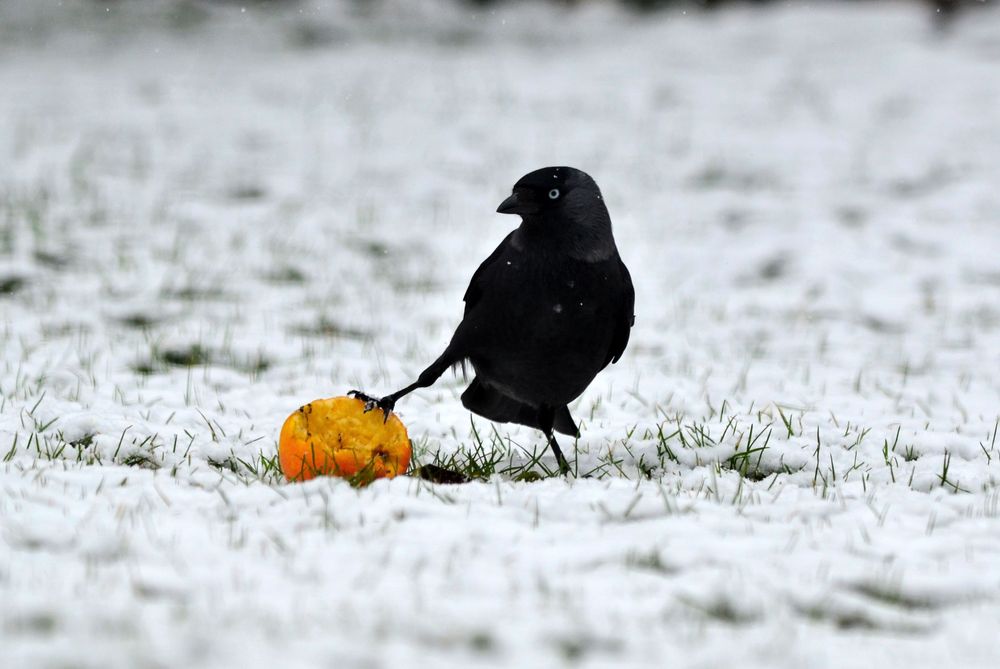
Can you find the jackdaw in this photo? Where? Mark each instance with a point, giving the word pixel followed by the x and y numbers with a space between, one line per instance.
pixel 547 311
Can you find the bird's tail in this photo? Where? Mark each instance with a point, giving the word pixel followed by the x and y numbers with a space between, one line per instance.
pixel 488 403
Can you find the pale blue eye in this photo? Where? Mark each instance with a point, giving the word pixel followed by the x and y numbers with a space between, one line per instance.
pixel 554 193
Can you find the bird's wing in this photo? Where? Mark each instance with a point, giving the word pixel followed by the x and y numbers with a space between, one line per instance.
pixel 475 289
pixel 626 316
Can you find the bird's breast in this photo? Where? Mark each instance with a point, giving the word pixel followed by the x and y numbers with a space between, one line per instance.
pixel 543 329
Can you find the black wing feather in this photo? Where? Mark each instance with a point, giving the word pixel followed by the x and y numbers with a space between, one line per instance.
pixel 626 317
pixel 475 289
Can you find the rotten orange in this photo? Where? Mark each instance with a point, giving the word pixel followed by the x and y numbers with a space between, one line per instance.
pixel 336 437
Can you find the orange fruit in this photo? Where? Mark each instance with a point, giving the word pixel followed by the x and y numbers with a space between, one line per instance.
pixel 336 437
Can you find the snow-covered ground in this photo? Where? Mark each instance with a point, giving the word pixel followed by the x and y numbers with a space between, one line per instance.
pixel 209 219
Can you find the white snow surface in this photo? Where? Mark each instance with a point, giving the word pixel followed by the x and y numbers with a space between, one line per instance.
pixel 808 197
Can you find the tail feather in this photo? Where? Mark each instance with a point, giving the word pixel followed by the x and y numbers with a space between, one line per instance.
pixel 488 403
pixel 564 423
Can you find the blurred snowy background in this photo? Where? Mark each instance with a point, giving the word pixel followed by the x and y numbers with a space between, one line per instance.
pixel 212 212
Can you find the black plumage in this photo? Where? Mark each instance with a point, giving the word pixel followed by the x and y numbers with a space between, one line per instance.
pixel 550 308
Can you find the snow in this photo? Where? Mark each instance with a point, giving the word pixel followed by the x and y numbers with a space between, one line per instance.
pixel 208 219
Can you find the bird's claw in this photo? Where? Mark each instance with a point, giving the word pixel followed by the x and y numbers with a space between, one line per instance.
pixel 386 404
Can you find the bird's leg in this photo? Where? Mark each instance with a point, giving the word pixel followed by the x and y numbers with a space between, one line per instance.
pixel 554 445
pixel 546 417
pixel 426 378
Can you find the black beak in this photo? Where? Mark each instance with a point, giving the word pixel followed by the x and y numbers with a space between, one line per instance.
pixel 516 204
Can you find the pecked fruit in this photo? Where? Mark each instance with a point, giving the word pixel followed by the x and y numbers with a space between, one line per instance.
pixel 336 437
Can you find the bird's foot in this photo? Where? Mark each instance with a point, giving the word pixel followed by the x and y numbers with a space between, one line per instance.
pixel 386 403
pixel 564 469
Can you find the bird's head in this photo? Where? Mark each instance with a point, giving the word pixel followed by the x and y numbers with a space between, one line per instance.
pixel 556 192
pixel 562 205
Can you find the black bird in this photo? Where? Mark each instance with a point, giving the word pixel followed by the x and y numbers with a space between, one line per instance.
pixel 547 311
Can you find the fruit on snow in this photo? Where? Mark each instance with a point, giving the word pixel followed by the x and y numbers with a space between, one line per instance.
pixel 336 437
